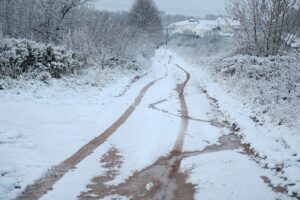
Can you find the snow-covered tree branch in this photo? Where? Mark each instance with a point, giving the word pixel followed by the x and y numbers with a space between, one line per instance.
pixel 268 26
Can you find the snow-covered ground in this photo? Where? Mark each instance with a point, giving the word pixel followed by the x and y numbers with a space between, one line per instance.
pixel 41 128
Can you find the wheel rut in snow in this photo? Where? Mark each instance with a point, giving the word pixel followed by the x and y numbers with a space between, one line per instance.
pixel 184 112
pixel 162 180
pixel 45 183
pixel 211 122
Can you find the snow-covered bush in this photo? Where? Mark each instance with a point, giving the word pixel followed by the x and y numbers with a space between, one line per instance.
pixel 20 56
pixel 272 84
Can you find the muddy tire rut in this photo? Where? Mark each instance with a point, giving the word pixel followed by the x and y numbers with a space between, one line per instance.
pixel 163 180
pixel 160 181
pixel 184 112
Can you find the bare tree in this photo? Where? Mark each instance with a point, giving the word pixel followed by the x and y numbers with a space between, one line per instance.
pixel 145 16
pixel 51 15
pixel 42 20
pixel 268 26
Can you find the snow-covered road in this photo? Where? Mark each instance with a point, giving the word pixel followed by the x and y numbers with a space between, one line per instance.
pixel 164 138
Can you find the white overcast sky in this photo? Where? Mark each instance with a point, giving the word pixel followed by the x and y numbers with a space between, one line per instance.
pixel 187 7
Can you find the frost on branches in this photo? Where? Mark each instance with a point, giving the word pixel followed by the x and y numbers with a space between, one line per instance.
pixel 19 57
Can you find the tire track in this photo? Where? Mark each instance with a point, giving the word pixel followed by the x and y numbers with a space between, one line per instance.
pixel 45 183
pixel 211 122
pixel 163 179
pixel 184 112
pixel 160 181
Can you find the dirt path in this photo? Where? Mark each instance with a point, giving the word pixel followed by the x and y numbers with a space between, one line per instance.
pixel 162 180
pixel 44 184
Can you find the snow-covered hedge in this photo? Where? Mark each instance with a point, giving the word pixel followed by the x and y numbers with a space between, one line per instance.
pixel 20 56
pixel 271 84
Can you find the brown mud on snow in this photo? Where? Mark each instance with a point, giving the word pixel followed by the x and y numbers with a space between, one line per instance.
pixel 211 122
pixel 161 181
pixel 184 112
pixel 277 189
pixel 44 184
pixel 111 161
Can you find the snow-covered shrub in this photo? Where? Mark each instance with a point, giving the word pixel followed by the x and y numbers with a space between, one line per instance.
pixel 272 84
pixel 20 56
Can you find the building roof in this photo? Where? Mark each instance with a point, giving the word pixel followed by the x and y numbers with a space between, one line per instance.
pixel 201 25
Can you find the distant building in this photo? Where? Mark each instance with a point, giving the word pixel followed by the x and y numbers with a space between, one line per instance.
pixel 203 28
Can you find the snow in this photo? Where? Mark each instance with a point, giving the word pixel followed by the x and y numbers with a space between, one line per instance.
pixel 228 175
pixel 118 197
pixel 149 186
